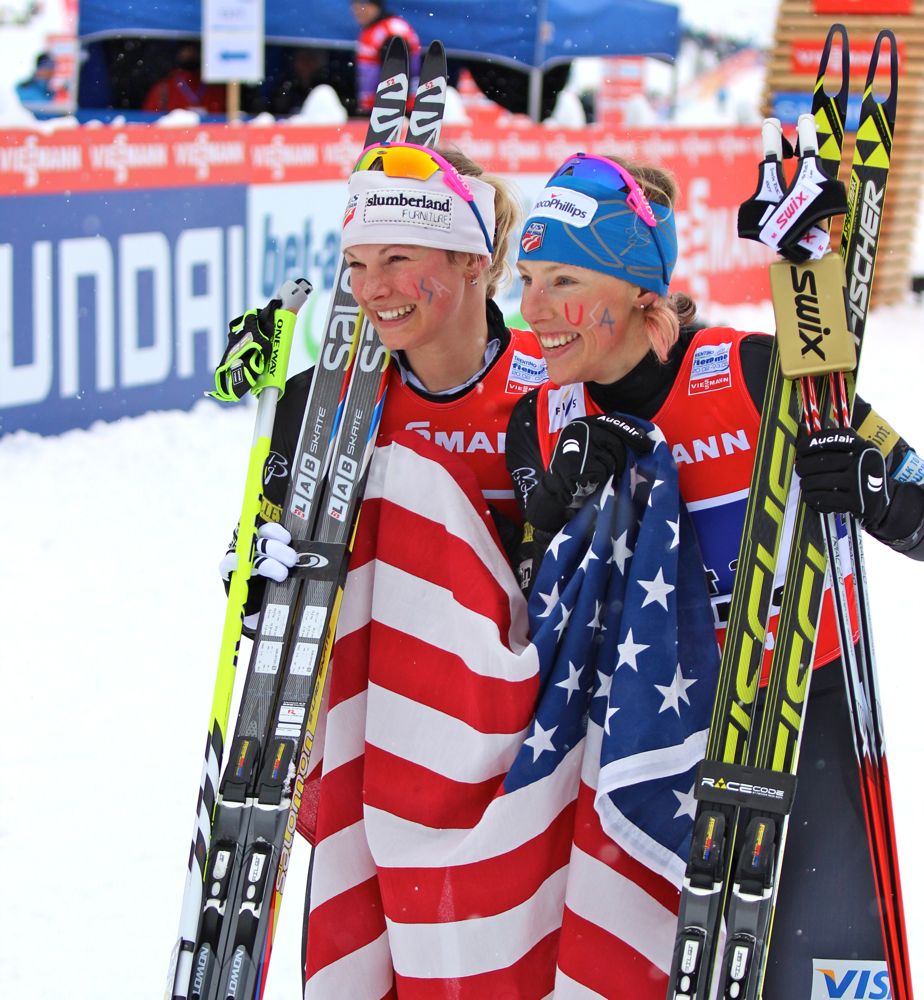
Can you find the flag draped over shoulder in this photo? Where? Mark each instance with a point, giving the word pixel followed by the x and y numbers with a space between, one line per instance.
pixel 499 817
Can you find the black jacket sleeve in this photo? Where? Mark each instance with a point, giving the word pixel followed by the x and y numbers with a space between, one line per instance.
pixel 902 528
pixel 525 465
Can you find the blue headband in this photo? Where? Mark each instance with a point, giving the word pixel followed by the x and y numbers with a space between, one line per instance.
pixel 589 224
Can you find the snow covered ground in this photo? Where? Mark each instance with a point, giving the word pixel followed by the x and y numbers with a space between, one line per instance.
pixel 110 540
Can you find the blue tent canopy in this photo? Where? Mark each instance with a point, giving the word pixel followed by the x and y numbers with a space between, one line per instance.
pixel 529 34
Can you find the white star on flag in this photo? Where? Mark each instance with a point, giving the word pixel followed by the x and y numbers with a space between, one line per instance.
pixel 560 539
pixel 629 650
pixel 572 683
pixel 656 590
pixel 606 682
pixel 588 555
pixel 621 552
pixel 550 601
pixel 540 741
pixel 654 486
pixel 687 802
pixel 675 528
pixel 675 692
pixel 563 624
pixel 611 710
pixel 595 622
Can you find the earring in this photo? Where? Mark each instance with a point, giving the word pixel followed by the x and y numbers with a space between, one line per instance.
pixel 473 281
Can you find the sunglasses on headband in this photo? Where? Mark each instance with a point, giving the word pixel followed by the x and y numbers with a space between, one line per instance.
pixel 586 166
pixel 419 163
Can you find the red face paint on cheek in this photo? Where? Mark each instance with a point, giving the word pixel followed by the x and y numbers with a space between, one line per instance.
pixel 578 309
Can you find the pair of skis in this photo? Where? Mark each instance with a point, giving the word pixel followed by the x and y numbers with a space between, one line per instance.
pixel 246 826
pixel 746 785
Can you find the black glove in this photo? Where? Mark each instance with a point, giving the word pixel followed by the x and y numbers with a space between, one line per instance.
pixel 249 341
pixel 842 472
pixel 589 451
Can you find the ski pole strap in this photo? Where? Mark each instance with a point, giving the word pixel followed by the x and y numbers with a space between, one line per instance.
pixel 244 359
pixel 259 344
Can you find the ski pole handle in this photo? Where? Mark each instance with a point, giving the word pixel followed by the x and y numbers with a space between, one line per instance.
pixel 259 343
pixel 292 296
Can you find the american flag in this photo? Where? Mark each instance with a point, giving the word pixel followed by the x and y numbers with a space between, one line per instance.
pixel 502 816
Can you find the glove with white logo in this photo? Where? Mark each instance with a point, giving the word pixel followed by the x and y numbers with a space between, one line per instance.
pixel 273 555
pixel 843 473
pixel 589 451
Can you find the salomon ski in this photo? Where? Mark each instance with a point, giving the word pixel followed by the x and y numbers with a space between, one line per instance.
pixel 199 925
pixel 261 790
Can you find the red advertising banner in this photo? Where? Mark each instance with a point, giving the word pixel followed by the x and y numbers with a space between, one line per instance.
pixel 861 6
pixel 805 54
pixel 716 170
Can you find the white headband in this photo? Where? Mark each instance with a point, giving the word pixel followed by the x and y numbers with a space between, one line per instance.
pixel 385 209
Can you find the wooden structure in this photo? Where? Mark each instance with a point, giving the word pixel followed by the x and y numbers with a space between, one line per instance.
pixel 801 28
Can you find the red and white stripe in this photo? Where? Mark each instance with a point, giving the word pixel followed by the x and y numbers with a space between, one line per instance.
pixel 429 880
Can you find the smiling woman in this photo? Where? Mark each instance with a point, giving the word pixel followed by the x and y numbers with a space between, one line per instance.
pixel 426 238
pixel 596 255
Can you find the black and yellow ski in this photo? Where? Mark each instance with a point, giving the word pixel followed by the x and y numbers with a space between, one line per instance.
pixel 746 785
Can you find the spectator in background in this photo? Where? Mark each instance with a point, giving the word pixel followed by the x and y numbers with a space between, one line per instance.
pixel 377 26
pixel 37 88
pixel 307 68
pixel 182 87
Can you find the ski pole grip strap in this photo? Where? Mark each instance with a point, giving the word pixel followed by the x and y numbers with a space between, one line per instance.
pixel 292 296
pixel 750 787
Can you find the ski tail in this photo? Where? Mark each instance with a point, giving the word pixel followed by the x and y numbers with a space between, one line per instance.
pixel 830 110
pixel 426 117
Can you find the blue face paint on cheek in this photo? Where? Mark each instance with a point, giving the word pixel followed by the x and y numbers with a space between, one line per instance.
pixel 607 320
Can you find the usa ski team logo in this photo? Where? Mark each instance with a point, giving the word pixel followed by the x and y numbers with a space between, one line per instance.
pixel 350 210
pixel 711 369
pixel 532 237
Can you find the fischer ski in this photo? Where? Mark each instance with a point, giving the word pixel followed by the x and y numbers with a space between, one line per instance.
pixel 816 545
pixel 745 787
pixel 195 917
pixel 260 795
